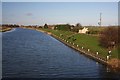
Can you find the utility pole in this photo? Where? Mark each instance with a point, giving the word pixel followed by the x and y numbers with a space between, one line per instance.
pixel 100 22
pixel 100 19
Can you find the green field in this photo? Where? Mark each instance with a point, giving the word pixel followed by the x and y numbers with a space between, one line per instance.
pixel 84 40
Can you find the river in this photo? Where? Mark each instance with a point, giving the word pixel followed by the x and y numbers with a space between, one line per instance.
pixel 32 54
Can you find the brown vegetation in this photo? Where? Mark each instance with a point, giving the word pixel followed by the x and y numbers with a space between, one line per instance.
pixel 109 37
pixel 114 63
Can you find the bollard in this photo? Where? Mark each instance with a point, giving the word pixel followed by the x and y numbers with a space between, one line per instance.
pixel 77 45
pixel 73 43
pixel 96 53
pixel 109 53
pixel 88 50
pixel 82 47
pixel 107 57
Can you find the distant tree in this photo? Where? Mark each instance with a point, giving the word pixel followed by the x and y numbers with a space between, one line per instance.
pixel 45 26
pixel 10 25
pixel 77 27
pixel 64 27
pixel 109 37
pixel 40 27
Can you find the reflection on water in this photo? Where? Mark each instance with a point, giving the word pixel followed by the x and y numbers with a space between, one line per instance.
pixel 10 30
pixel 32 54
pixel 108 69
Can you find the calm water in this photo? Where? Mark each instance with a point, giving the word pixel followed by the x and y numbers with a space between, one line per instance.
pixel 32 54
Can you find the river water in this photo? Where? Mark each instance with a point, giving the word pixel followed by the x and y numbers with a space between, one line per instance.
pixel 32 54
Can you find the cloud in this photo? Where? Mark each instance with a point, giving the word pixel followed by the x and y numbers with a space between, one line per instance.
pixel 29 14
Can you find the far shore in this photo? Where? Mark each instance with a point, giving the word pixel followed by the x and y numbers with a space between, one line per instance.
pixel 5 29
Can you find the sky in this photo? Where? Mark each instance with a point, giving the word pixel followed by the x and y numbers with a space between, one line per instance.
pixel 0 13
pixel 60 0
pixel 39 13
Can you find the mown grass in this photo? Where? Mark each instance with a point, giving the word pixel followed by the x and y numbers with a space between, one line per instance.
pixel 86 41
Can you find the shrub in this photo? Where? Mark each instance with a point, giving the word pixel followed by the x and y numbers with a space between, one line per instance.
pixel 45 26
pixel 109 37
pixel 64 27
pixel 77 27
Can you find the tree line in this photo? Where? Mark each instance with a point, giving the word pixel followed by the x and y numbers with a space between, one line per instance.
pixel 66 27
pixel 10 25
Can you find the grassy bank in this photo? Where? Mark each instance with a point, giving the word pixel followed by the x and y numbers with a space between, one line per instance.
pixel 84 40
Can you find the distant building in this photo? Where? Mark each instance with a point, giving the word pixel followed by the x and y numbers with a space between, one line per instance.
pixel 51 27
pixel 84 30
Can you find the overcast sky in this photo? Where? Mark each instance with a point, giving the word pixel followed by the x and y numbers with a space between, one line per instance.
pixel 39 13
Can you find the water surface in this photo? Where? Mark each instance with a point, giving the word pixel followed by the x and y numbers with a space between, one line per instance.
pixel 32 54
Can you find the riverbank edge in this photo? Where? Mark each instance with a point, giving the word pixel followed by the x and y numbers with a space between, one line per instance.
pixel 86 53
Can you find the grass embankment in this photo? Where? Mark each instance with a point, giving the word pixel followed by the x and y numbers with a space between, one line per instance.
pixel 84 40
